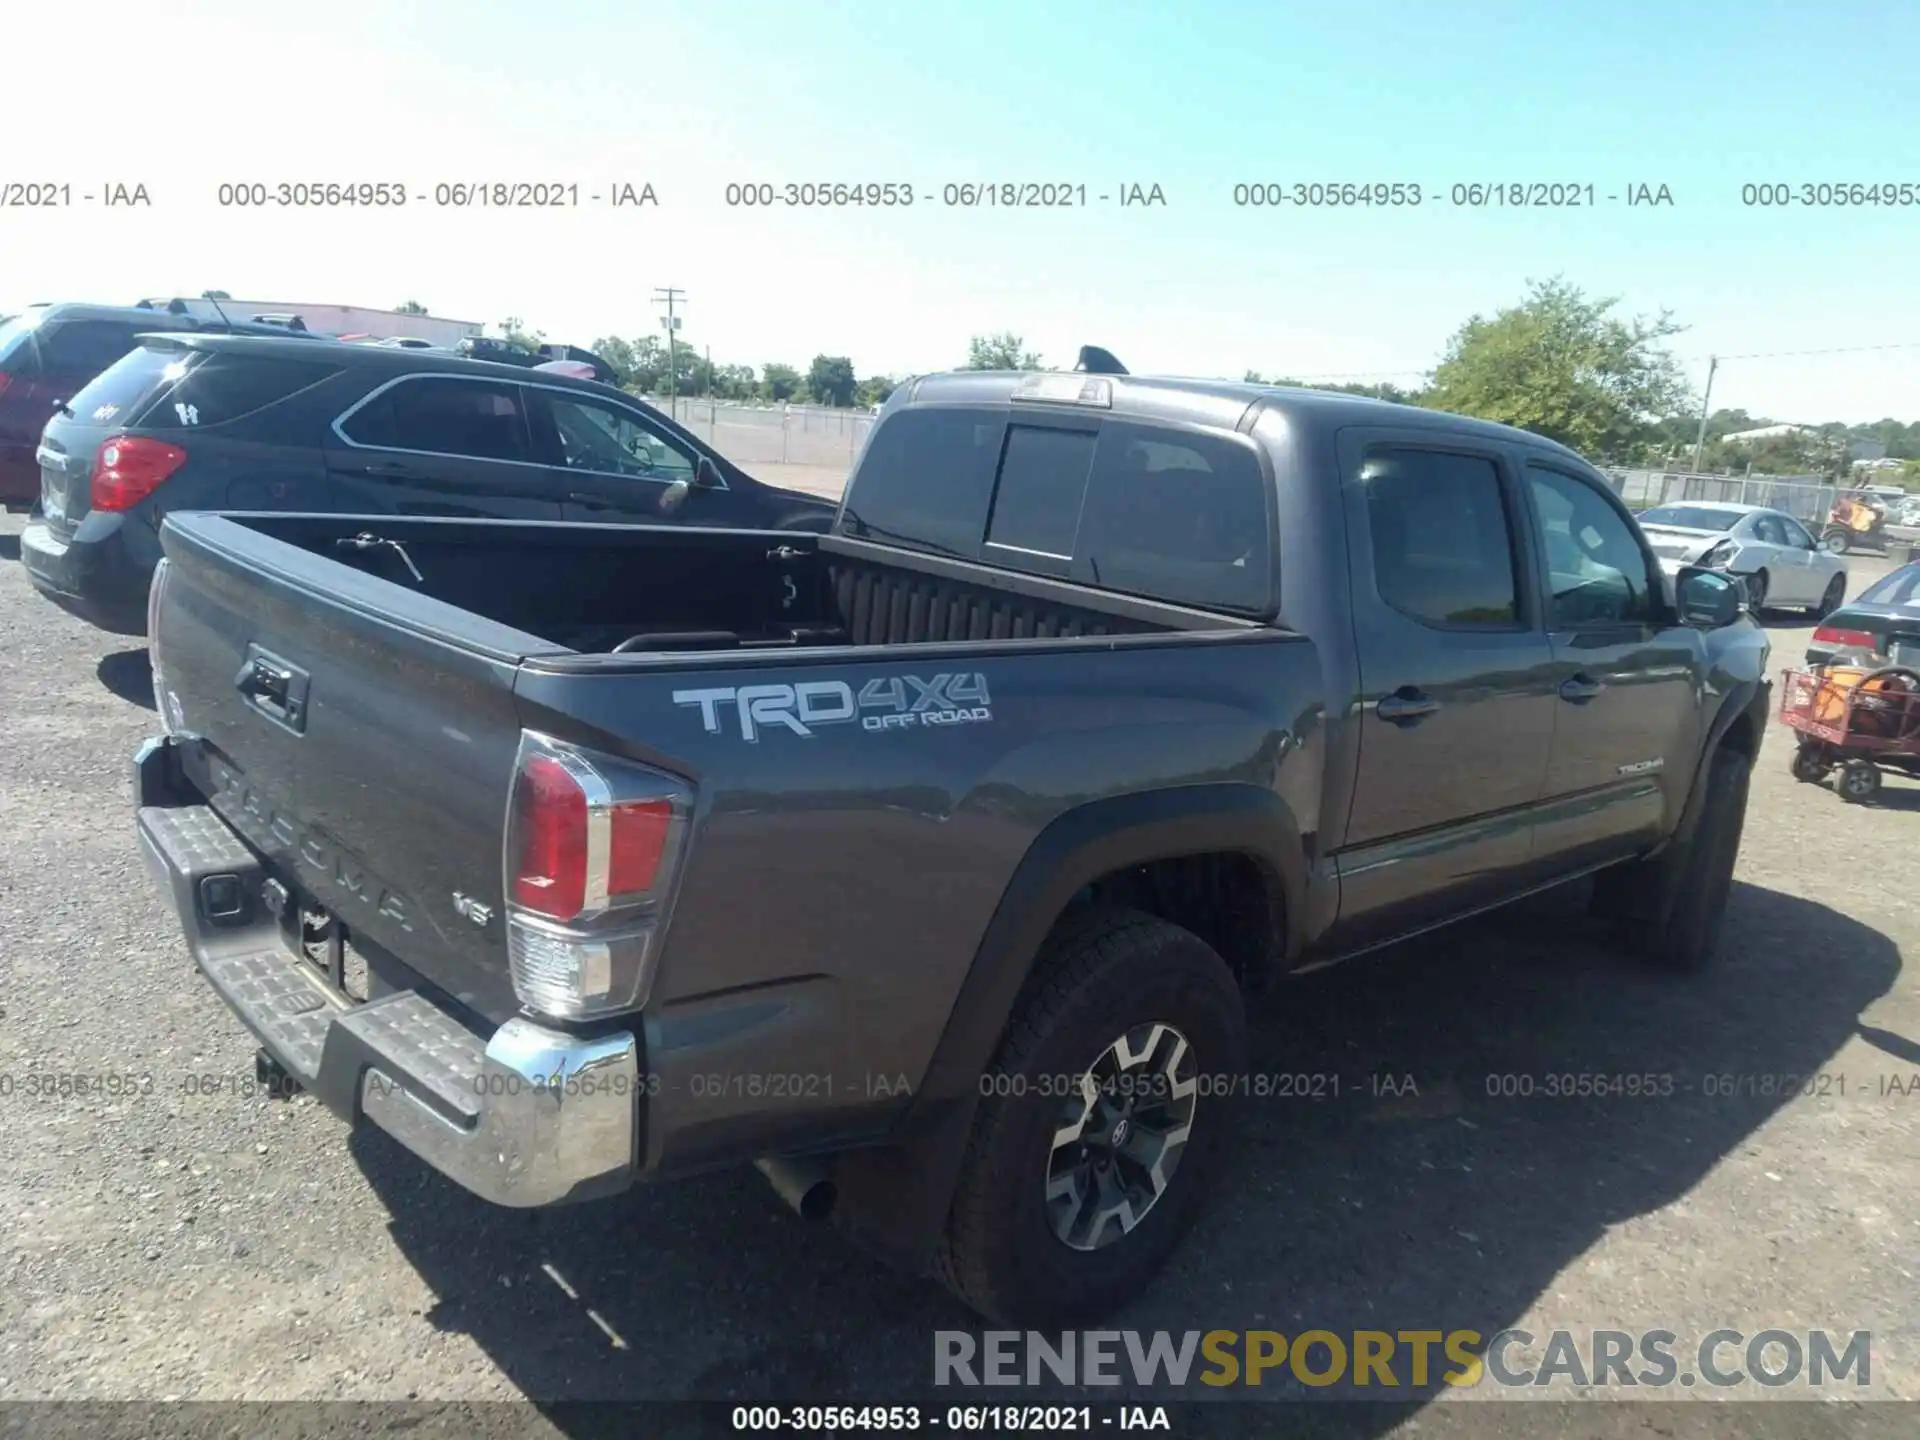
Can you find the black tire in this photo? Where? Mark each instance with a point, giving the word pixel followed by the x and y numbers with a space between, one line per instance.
pixel 1859 781
pixel 1109 974
pixel 1809 767
pixel 1757 586
pixel 1835 596
pixel 1668 909
pixel 1836 541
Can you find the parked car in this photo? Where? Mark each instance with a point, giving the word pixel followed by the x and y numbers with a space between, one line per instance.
pixel 193 421
pixel 48 353
pixel 1880 625
pixel 1781 562
pixel 928 863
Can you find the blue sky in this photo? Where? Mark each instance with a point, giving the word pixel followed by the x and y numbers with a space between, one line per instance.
pixel 1194 97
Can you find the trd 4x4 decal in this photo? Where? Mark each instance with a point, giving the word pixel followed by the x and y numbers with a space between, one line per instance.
pixel 890 702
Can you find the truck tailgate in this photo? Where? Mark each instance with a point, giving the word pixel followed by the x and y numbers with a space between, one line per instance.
pixel 367 756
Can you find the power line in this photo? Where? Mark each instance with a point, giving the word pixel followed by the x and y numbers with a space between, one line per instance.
pixel 1835 350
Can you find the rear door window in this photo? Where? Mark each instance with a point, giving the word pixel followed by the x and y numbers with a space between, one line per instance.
pixel 473 419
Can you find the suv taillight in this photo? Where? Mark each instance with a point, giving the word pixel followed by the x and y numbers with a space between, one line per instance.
pixel 128 468
pixel 1844 639
pixel 593 846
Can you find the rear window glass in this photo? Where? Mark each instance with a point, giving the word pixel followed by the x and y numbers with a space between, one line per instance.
pixel 1135 508
pixel 1043 480
pixel 19 341
pixel 161 387
pixel 121 392
pixel 1902 587
pixel 225 387
pixel 1690 517
pixel 926 479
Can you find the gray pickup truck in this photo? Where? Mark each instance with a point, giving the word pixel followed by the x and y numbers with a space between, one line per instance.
pixel 928 863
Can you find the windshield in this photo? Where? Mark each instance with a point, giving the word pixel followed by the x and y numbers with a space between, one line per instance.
pixel 14 333
pixel 1902 587
pixel 1690 517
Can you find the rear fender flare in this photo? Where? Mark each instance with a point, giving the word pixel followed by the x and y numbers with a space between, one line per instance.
pixel 895 1197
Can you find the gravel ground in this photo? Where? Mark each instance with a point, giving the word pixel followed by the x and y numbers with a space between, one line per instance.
pixel 194 1241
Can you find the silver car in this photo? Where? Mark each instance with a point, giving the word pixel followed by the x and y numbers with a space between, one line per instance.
pixel 1778 557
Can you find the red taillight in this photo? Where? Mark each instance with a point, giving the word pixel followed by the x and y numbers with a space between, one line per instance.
pixel 128 468
pixel 1845 639
pixel 636 841
pixel 550 871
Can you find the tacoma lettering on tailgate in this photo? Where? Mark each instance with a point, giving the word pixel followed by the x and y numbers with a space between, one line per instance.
pixel 320 858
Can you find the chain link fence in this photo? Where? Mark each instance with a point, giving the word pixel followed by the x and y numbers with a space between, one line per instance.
pixel 752 434
pixel 1805 497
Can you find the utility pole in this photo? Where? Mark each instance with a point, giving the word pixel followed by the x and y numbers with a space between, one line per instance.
pixel 1700 440
pixel 670 322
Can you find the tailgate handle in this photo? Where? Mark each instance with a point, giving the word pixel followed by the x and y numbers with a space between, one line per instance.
pixel 274 688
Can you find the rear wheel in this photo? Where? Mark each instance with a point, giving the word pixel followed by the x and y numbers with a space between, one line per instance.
pixel 1808 766
pixel 1836 541
pixel 1830 601
pixel 1757 586
pixel 1669 908
pixel 1859 781
pixel 1102 1121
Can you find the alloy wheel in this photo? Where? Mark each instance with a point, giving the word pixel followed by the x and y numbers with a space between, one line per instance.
pixel 1123 1130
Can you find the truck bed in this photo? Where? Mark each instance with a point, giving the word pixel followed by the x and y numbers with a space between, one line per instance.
pixel 601 589
pixel 873 741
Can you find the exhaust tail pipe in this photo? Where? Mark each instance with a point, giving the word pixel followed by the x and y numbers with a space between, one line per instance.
pixel 803 1184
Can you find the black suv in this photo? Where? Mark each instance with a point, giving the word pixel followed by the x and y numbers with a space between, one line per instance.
pixel 48 353
pixel 208 422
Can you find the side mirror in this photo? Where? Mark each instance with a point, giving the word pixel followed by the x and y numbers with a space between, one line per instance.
pixel 706 475
pixel 1709 599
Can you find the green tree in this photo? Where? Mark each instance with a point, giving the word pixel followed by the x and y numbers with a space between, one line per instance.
pixel 618 354
pixel 875 389
pixel 1564 366
pixel 830 380
pixel 411 307
pixel 1004 351
pixel 515 332
pixel 782 382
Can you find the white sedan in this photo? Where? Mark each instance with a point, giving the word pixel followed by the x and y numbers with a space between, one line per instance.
pixel 1779 558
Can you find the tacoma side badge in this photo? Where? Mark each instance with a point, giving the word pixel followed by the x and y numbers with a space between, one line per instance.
pixel 472 909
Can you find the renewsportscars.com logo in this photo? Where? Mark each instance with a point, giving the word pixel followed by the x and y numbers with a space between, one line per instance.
pixel 890 702
pixel 1373 1360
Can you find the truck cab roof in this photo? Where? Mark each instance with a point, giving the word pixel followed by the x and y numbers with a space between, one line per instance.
pixel 1179 400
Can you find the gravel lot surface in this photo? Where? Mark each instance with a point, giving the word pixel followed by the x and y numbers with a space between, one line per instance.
pixel 196 1241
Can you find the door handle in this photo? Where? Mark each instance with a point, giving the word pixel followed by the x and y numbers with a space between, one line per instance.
pixel 1405 706
pixel 576 497
pixel 387 469
pixel 1580 689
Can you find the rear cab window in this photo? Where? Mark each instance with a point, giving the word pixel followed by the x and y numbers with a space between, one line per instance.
pixel 1132 507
